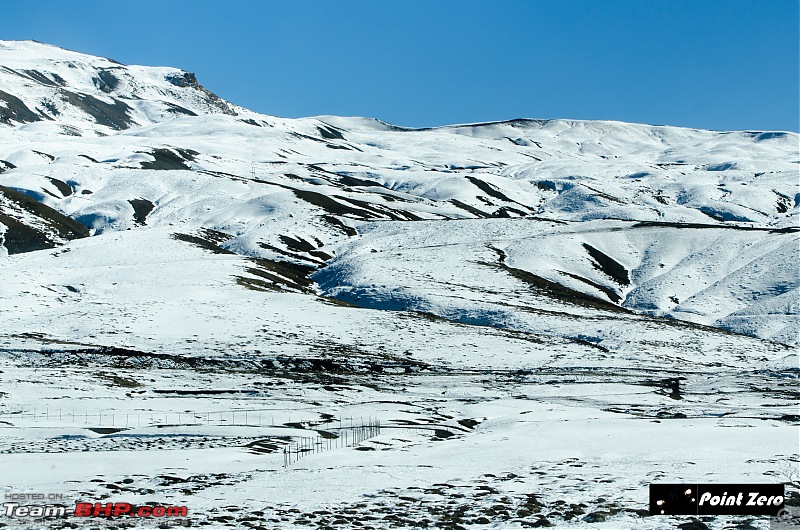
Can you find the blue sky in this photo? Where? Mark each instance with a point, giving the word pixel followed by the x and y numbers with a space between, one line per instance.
pixel 715 64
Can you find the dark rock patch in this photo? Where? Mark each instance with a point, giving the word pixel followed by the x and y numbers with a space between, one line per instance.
pixel 332 206
pixel 297 244
pixel 596 517
pixel 64 188
pixel 44 155
pixel 20 237
pixel 106 81
pixel 505 212
pixel 177 109
pixel 488 189
pixel 330 132
pixel 334 221
pixel 114 115
pixel 560 292
pixel 612 295
pixel 608 265
pixel 141 209
pixel 184 79
pixel 166 159
pixel 41 78
pixel 443 434
pixel 474 211
pixel 206 239
pixel 278 275
pixel 347 180
pixel 14 110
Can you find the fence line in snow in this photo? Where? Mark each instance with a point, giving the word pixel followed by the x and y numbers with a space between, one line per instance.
pixel 230 418
pixel 348 437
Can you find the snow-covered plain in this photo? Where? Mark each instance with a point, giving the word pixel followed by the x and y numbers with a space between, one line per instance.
pixel 511 300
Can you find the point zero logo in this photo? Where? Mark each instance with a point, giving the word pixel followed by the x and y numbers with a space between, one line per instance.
pixel 716 499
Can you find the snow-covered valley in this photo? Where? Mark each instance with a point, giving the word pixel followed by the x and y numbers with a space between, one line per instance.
pixel 544 316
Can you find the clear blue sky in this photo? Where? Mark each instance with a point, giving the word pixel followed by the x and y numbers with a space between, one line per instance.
pixel 715 64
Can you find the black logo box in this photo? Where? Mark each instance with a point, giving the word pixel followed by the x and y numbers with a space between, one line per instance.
pixel 716 499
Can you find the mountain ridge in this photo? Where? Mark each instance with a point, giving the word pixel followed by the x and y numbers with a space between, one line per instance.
pixel 304 190
pixel 41 82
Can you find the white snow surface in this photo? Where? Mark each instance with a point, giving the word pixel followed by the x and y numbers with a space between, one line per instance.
pixel 510 299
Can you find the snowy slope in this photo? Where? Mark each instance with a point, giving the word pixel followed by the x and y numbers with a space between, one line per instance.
pixel 175 260
pixel 493 272
pixel 296 189
pixel 83 94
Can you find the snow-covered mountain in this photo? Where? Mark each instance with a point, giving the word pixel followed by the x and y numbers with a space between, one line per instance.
pixel 87 94
pixel 696 225
pixel 141 213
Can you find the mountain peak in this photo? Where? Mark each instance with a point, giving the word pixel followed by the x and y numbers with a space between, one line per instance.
pixel 44 83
